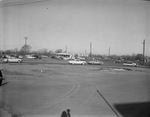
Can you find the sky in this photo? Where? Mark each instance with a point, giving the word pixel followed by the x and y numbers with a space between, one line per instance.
pixel 121 25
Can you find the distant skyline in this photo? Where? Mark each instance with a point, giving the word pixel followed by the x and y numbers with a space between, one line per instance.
pixel 121 25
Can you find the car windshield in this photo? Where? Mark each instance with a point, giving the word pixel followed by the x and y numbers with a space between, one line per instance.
pixel 67 58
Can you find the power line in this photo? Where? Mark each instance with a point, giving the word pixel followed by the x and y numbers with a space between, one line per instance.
pixel 108 103
pixel 4 4
pixel 100 94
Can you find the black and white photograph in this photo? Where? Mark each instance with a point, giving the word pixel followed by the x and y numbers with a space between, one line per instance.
pixel 74 58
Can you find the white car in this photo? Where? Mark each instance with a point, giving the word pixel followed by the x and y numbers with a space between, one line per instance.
pixel 30 57
pixel 66 58
pixel 20 57
pixel 77 62
pixel 12 60
pixel 130 64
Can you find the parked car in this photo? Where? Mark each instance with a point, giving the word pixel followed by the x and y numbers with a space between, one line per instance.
pixel 81 58
pixel 66 58
pixel 20 56
pixel 95 62
pixel 37 56
pixel 76 61
pixel 130 63
pixel 30 57
pixel 12 60
pixel 118 61
pixel 44 56
pixel 57 57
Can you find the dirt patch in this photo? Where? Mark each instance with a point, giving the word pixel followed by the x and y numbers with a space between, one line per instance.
pixel 7 110
pixel 112 69
pixel 46 71
pixel 8 72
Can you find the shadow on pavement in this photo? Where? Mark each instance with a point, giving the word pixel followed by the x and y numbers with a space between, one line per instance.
pixel 4 83
pixel 137 109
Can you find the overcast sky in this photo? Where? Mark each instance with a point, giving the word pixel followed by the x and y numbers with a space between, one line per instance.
pixel 121 25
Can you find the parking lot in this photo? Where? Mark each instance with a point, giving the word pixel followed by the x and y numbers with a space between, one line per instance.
pixel 44 88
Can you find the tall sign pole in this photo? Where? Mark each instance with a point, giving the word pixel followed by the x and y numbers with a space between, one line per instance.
pixel 109 52
pixel 66 49
pixel 26 44
pixel 90 49
pixel 143 51
pixel 0 42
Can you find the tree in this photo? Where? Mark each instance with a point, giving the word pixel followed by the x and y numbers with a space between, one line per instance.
pixel 15 50
pixel 76 56
pixel 139 57
pixel 43 51
pixel 25 49
pixel 8 52
pixel 59 51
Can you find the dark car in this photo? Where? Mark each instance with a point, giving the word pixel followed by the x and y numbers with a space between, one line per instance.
pixel 95 62
pixel 37 56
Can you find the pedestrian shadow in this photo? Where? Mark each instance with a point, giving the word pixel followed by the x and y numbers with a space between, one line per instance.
pixel 137 109
pixel 10 109
pixel 66 113
pixel 4 83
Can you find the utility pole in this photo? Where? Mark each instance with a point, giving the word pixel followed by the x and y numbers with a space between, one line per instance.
pixel 26 44
pixel 0 47
pixel 90 49
pixel 66 49
pixel 0 42
pixel 85 52
pixel 109 52
pixel 143 51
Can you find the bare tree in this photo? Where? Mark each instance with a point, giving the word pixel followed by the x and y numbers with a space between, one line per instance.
pixel 59 51
pixel 43 51
pixel 25 49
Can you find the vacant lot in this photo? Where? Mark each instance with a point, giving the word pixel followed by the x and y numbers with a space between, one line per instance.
pixel 45 90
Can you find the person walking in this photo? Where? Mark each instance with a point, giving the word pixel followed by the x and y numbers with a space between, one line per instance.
pixel 68 113
pixel 1 78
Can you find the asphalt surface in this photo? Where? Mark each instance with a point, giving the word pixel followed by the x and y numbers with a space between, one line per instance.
pixel 45 90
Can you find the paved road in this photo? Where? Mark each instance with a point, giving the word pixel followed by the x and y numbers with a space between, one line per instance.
pixel 47 90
